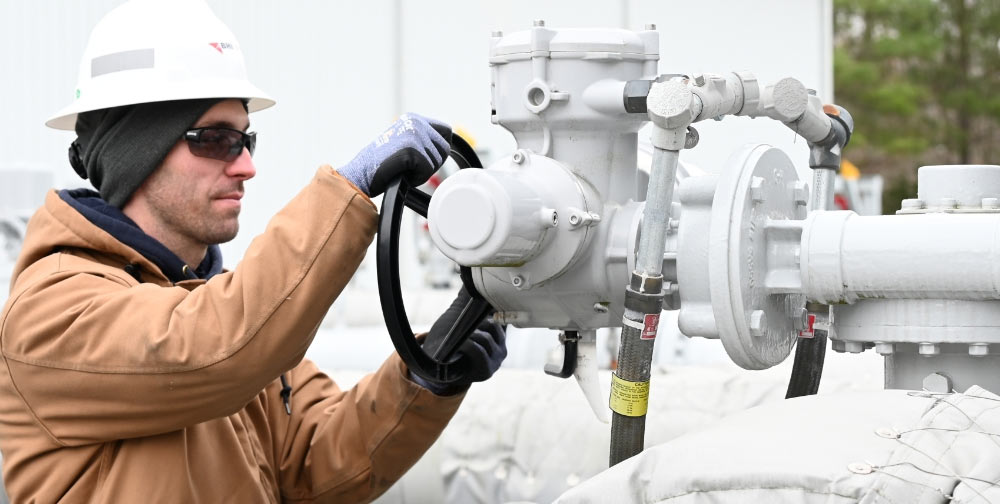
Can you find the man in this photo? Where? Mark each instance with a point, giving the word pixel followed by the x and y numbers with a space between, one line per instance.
pixel 134 368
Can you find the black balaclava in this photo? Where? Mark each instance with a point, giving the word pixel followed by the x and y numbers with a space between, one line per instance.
pixel 120 147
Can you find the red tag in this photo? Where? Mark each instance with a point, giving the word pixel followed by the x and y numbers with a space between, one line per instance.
pixel 650 323
pixel 809 332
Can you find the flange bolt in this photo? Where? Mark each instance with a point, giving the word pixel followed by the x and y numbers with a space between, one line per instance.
pixel 758 323
pixel 929 349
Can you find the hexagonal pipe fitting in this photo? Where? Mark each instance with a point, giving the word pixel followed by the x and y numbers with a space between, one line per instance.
pixel 670 104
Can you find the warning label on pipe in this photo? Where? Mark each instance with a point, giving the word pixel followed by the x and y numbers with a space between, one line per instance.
pixel 650 323
pixel 629 398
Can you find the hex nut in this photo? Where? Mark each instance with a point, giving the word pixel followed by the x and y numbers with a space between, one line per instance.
pixel 635 93
pixel 948 203
pixel 882 348
pixel 799 316
pixel 929 349
pixel 801 192
pixel 758 323
pixel 979 349
pixel 854 347
pixel 937 382
pixel 757 189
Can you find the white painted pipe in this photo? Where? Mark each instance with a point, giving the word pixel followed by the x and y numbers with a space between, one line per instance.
pixel 845 257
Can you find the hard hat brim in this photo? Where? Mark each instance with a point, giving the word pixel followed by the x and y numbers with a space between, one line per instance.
pixel 65 119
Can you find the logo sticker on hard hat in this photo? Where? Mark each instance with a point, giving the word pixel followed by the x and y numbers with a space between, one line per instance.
pixel 219 46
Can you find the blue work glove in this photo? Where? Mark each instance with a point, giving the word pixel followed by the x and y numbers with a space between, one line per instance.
pixel 484 350
pixel 413 147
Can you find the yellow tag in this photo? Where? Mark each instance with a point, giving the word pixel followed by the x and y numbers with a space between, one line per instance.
pixel 629 398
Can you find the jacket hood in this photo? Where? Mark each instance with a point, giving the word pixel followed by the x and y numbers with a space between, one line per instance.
pixel 80 219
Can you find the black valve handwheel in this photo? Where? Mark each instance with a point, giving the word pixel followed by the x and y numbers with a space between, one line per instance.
pixel 440 367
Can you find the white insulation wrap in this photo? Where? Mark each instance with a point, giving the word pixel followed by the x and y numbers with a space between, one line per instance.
pixel 525 437
pixel 846 257
pixel 888 446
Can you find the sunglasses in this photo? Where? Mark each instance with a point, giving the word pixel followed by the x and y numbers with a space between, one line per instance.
pixel 224 144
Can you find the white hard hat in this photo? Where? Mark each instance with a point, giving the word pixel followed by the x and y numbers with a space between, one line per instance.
pixel 159 50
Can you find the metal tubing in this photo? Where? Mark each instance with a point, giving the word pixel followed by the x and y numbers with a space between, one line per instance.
pixel 656 214
pixel 823 182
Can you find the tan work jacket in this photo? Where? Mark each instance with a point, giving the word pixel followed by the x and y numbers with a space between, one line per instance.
pixel 112 390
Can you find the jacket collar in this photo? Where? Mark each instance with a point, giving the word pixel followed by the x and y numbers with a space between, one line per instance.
pixel 111 219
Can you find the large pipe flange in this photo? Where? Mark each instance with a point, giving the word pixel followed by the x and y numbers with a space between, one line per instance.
pixel 747 215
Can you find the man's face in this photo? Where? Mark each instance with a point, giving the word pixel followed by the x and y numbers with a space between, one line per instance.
pixel 196 199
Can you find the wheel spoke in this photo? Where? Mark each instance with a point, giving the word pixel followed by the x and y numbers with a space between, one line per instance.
pixel 474 311
pixel 417 200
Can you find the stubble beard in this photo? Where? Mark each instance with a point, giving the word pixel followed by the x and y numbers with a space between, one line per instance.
pixel 200 224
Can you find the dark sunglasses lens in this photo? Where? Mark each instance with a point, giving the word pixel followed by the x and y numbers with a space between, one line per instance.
pixel 221 144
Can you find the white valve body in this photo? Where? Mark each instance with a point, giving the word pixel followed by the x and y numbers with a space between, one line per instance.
pixel 550 230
